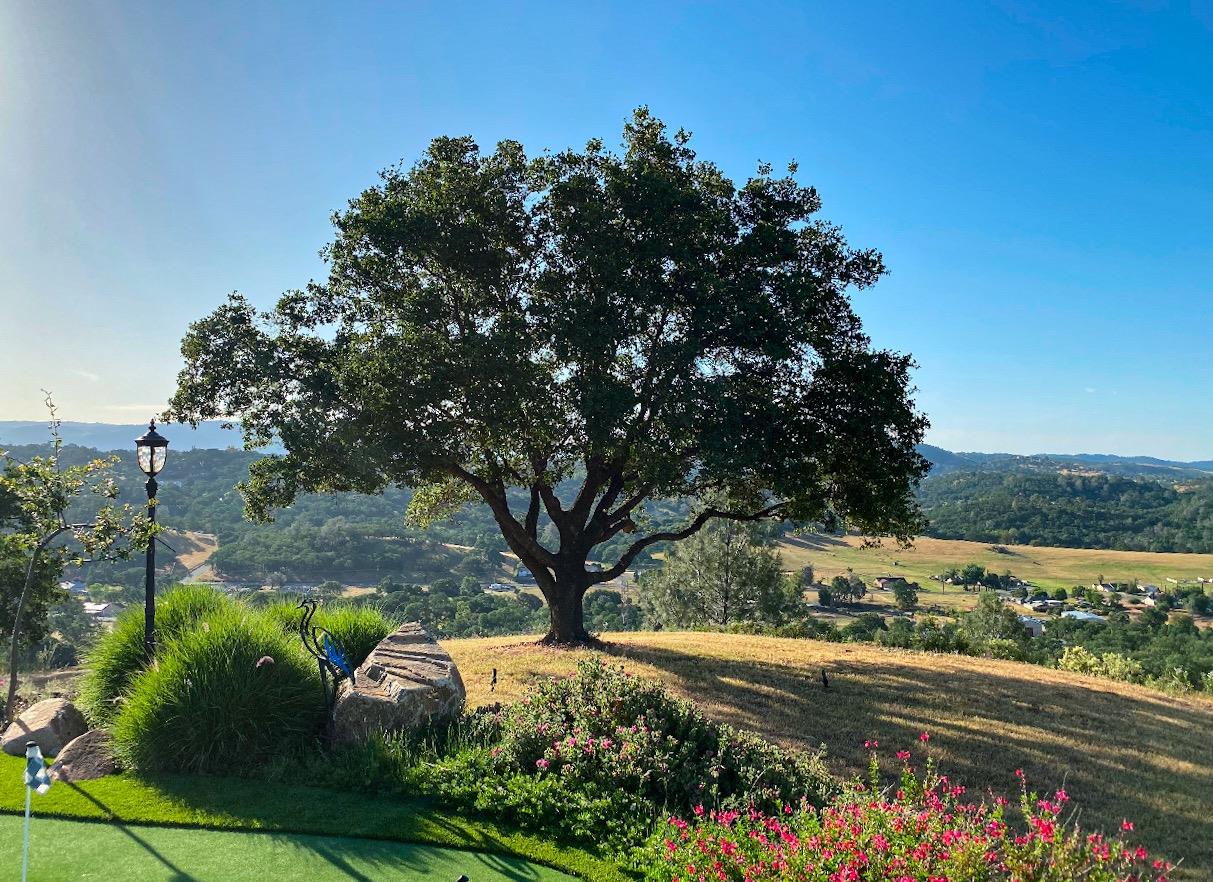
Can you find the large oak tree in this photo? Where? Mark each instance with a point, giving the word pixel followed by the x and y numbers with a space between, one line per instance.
pixel 495 324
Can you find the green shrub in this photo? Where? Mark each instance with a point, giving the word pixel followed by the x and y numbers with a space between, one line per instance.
pixel 1002 648
pixel 602 729
pixel 119 656
pixel 212 705
pixel 357 629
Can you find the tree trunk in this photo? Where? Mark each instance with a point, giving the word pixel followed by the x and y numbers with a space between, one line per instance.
pixel 11 701
pixel 565 608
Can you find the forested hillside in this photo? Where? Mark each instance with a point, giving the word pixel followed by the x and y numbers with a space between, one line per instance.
pixel 1070 510
pixel 346 536
pixel 979 497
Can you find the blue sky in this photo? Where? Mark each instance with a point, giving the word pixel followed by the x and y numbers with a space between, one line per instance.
pixel 1039 176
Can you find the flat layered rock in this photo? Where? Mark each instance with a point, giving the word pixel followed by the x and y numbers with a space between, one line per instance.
pixel 407 682
pixel 86 758
pixel 50 724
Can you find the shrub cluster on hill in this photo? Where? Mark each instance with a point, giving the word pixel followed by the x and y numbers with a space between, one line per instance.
pixel 599 756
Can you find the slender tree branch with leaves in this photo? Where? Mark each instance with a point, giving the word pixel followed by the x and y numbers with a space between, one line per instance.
pixel 52 514
pixel 495 324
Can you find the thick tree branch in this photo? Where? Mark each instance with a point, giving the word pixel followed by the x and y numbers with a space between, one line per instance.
pixel 516 536
pixel 532 514
pixel 675 535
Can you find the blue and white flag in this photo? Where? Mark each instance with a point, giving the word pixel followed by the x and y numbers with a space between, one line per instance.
pixel 36 775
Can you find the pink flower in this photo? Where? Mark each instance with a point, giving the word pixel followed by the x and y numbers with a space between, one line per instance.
pixel 903 755
pixel 1127 826
pixel 542 763
pixel 924 737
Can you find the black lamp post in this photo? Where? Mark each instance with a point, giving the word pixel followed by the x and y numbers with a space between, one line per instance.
pixel 151 448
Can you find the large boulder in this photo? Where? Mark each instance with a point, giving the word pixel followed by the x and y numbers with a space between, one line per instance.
pixel 50 724
pixel 87 757
pixel 407 682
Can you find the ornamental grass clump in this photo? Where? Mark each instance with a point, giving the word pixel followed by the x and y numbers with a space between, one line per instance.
pixel 923 830
pixel 356 628
pixel 229 694
pixel 119 656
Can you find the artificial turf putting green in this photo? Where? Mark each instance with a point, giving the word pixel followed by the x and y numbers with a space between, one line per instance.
pixel 81 850
pixel 236 804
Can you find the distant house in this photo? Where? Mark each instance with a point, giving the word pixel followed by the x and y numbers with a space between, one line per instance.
pixel 524 575
pixel 1034 625
pixel 1150 590
pixel 886 583
pixel 102 612
pixel 74 586
pixel 1045 605
pixel 498 587
pixel 1105 587
pixel 1082 616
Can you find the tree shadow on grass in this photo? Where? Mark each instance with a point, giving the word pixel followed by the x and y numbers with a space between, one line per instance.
pixel 179 875
pixel 382 856
pixel 321 819
pixel 1119 753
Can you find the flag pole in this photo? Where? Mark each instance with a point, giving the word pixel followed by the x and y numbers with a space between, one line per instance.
pixel 36 778
pixel 25 849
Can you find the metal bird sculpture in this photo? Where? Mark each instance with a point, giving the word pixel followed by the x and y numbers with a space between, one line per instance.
pixel 825 681
pixel 332 660
pixel 493 682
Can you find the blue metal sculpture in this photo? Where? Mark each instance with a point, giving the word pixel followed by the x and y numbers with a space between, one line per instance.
pixel 333 661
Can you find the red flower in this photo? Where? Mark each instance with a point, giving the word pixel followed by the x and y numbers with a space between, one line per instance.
pixel 924 737
pixel 1127 826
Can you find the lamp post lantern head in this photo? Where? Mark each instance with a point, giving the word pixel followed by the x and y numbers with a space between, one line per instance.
pixel 151 448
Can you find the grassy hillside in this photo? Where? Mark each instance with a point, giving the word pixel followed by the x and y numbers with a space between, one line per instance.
pixel 1120 750
pixel 1044 566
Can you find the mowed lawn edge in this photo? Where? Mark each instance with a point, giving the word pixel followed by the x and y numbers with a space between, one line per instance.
pixel 240 804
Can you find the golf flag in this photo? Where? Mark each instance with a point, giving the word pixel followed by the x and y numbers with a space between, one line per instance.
pixel 36 775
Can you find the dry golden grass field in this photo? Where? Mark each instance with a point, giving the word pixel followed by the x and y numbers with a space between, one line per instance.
pixel 1122 751
pixel 193 549
pixel 1045 566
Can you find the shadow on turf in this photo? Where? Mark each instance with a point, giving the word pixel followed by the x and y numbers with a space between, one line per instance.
pixel 179 875
pixel 387 855
pixel 310 817
pixel 1097 742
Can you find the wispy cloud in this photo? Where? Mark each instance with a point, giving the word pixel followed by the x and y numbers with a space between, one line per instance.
pixel 88 375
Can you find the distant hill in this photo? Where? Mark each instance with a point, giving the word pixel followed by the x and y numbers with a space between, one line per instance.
pixel 107 436
pixel 945 461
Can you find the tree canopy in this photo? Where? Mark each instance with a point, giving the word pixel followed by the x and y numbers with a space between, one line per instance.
pixel 633 320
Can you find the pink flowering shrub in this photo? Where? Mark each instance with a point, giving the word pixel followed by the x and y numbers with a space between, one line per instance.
pixel 602 729
pixel 924 830
pixel 603 757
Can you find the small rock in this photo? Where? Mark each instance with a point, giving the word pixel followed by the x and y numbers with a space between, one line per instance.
pixel 87 757
pixel 50 724
pixel 407 682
